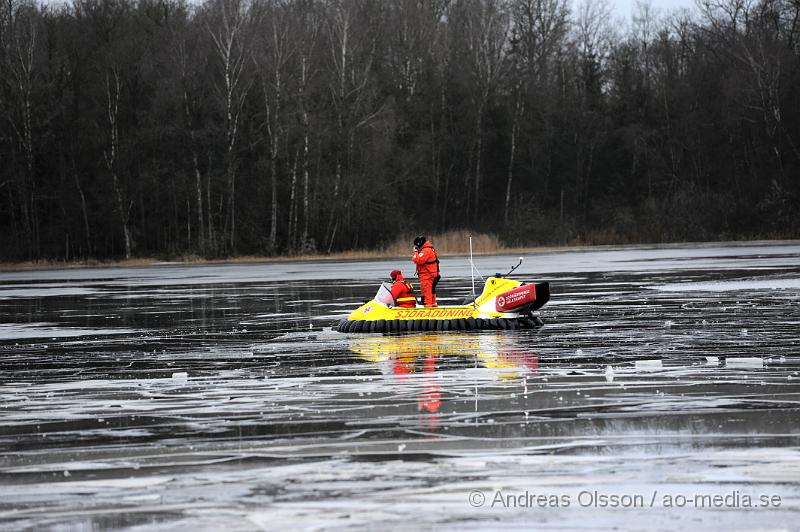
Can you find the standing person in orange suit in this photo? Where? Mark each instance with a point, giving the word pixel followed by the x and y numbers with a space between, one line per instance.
pixel 402 291
pixel 427 262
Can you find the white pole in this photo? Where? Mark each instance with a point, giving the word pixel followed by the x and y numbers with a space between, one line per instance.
pixel 472 270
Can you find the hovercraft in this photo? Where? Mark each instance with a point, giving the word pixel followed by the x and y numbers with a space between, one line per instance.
pixel 504 304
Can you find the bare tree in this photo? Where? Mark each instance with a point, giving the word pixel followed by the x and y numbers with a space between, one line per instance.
pixel 21 38
pixel 411 31
pixel 539 28
pixel 519 110
pixel 593 29
pixel 187 63
pixel 113 90
pixel 229 33
pixel 592 37
pixel 751 34
pixel 308 17
pixel 276 51
pixel 645 20
pixel 441 51
pixel 486 26
pixel 354 35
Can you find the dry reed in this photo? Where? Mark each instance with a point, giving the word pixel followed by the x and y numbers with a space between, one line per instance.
pixel 454 242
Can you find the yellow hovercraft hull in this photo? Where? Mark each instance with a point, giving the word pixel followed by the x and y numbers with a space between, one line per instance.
pixel 375 316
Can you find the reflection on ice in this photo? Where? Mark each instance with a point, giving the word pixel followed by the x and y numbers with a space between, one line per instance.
pixel 403 354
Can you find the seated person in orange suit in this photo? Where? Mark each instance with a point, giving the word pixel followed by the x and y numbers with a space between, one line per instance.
pixel 402 291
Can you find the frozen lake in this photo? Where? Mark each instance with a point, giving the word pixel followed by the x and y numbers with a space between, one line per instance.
pixel 663 392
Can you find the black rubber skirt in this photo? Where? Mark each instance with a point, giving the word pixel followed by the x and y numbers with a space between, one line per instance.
pixel 467 324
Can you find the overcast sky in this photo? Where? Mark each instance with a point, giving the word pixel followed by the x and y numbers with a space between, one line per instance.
pixel 624 8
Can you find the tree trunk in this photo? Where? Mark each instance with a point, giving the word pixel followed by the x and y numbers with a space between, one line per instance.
pixel 198 190
pixel 306 213
pixel 340 63
pixel 434 163
pixel 198 180
pixel 274 136
pixel 478 160
pixel 231 208
pixel 22 68
pixel 334 205
pixel 113 87
pixel 212 237
pixel 84 211
pixel 273 222
pixel 231 51
pixel 518 110
pixel 305 123
pixel 292 222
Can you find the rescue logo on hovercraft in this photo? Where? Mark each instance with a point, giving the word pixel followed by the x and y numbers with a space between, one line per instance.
pixel 516 297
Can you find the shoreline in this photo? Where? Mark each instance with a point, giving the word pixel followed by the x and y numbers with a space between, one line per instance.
pixel 358 255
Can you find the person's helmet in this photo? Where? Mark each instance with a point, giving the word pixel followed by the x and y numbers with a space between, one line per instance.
pixel 419 241
pixel 394 274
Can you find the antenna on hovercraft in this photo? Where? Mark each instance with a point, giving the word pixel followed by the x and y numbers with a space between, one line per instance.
pixel 514 268
pixel 472 270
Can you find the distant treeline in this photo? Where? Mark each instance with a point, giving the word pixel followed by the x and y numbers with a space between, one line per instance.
pixel 160 127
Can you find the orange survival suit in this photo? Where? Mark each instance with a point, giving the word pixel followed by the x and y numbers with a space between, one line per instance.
pixel 402 291
pixel 427 262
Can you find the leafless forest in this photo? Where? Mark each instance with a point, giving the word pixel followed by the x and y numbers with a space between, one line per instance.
pixel 159 127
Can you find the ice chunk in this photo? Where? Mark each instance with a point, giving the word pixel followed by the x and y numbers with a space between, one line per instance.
pixel 648 365
pixel 744 362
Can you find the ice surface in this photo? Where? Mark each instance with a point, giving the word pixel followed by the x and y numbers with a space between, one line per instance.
pixel 688 257
pixel 217 397
pixel 10 331
pixel 43 291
